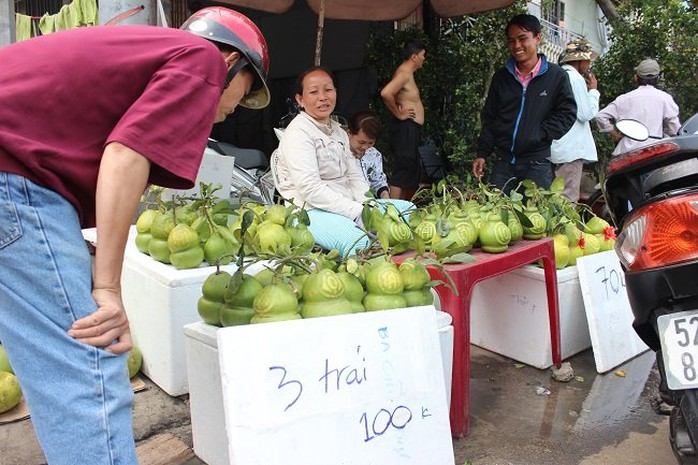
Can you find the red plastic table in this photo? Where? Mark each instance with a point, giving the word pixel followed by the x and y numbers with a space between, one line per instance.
pixel 465 276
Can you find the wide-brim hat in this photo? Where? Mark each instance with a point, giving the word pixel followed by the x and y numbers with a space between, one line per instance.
pixel 578 50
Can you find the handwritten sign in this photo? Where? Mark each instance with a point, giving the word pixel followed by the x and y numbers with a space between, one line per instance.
pixel 358 389
pixel 606 304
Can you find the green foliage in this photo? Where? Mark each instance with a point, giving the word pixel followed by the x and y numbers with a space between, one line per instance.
pixel 666 30
pixel 461 59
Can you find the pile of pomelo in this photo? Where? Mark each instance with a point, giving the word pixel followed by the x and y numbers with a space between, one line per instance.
pixel 454 221
pixel 313 287
pixel 10 392
pixel 202 229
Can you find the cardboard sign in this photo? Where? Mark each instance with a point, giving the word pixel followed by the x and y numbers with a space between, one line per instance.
pixel 606 304
pixel 361 389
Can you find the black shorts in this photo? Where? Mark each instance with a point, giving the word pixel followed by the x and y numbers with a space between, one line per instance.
pixel 404 143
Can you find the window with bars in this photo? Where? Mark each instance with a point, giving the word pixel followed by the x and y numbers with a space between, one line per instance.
pixel 554 12
pixel 39 7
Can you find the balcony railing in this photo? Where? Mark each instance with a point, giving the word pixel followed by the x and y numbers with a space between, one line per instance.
pixel 555 38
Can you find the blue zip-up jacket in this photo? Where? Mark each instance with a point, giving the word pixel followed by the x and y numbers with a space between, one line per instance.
pixel 520 124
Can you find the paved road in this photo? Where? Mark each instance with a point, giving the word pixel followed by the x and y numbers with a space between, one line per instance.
pixel 593 420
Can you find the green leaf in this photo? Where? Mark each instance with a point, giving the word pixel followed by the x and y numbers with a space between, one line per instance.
pixel 523 219
pixel 221 206
pixel 383 239
pixel 461 257
pixel 558 185
pixel 247 219
pixel 366 215
pixel 226 233
pixel 303 217
pixel 235 281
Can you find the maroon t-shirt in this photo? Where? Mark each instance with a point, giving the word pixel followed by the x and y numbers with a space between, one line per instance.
pixel 64 96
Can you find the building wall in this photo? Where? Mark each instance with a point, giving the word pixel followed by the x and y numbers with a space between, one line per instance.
pixel 582 17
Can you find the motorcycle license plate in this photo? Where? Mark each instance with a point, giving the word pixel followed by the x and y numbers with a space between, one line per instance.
pixel 678 333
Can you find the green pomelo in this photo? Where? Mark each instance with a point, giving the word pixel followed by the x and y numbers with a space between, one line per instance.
pixel 190 258
pixel 145 220
pixel 353 290
pixel 418 297
pixel 135 361
pixel 384 278
pixel 182 237
pixel 276 298
pixel 383 302
pixel 236 316
pixel 322 286
pixel 332 307
pixel 142 241
pixel 209 310
pixel 414 274
pixel 271 317
pixel 163 223
pixel 215 285
pixel 4 361
pixel 157 249
pixel 245 293
pixel 10 393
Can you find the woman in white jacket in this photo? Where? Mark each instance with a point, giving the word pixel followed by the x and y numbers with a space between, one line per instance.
pixel 315 167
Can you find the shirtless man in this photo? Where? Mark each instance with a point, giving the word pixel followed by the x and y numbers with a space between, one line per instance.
pixel 401 96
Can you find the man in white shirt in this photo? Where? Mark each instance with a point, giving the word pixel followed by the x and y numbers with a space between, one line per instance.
pixel 654 108
pixel 572 150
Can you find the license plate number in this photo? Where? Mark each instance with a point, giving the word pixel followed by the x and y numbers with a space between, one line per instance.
pixel 678 333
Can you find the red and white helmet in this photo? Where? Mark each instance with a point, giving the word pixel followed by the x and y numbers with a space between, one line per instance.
pixel 226 26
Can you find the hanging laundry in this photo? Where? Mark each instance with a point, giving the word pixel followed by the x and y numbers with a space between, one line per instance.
pixel 76 14
pixel 23 27
pixel 26 27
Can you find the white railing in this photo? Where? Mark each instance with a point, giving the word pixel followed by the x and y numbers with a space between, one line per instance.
pixel 555 38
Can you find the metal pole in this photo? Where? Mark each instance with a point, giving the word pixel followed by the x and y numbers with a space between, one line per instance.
pixel 7 22
pixel 320 31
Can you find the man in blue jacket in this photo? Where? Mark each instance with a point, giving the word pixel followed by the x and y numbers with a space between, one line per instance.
pixel 529 104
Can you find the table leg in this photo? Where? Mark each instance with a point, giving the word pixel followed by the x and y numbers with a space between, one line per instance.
pixel 459 309
pixel 553 305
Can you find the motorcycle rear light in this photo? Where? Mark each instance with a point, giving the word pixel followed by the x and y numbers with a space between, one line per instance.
pixel 660 234
pixel 638 155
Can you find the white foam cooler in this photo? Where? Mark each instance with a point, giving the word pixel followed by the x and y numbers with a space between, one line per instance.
pixel 206 394
pixel 159 300
pixel 509 315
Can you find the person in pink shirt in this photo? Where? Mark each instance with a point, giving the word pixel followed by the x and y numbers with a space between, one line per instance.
pixel 90 117
pixel 529 104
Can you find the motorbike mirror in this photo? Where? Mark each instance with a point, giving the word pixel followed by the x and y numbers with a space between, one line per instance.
pixel 632 129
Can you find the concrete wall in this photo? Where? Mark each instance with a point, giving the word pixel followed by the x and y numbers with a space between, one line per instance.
pixel 581 16
pixel 109 9
pixel 7 22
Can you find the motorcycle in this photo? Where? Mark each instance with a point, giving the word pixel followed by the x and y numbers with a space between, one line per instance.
pixel 250 177
pixel 652 197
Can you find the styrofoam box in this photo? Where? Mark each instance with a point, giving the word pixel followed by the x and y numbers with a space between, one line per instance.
pixel 509 315
pixel 206 394
pixel 159 300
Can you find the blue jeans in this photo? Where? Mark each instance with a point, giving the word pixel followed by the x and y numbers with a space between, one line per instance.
pixel 506 176
pixel 334 231
pixel 79 396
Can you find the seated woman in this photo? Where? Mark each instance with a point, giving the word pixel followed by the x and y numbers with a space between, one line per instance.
pixel 315 167
pixel 364 128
